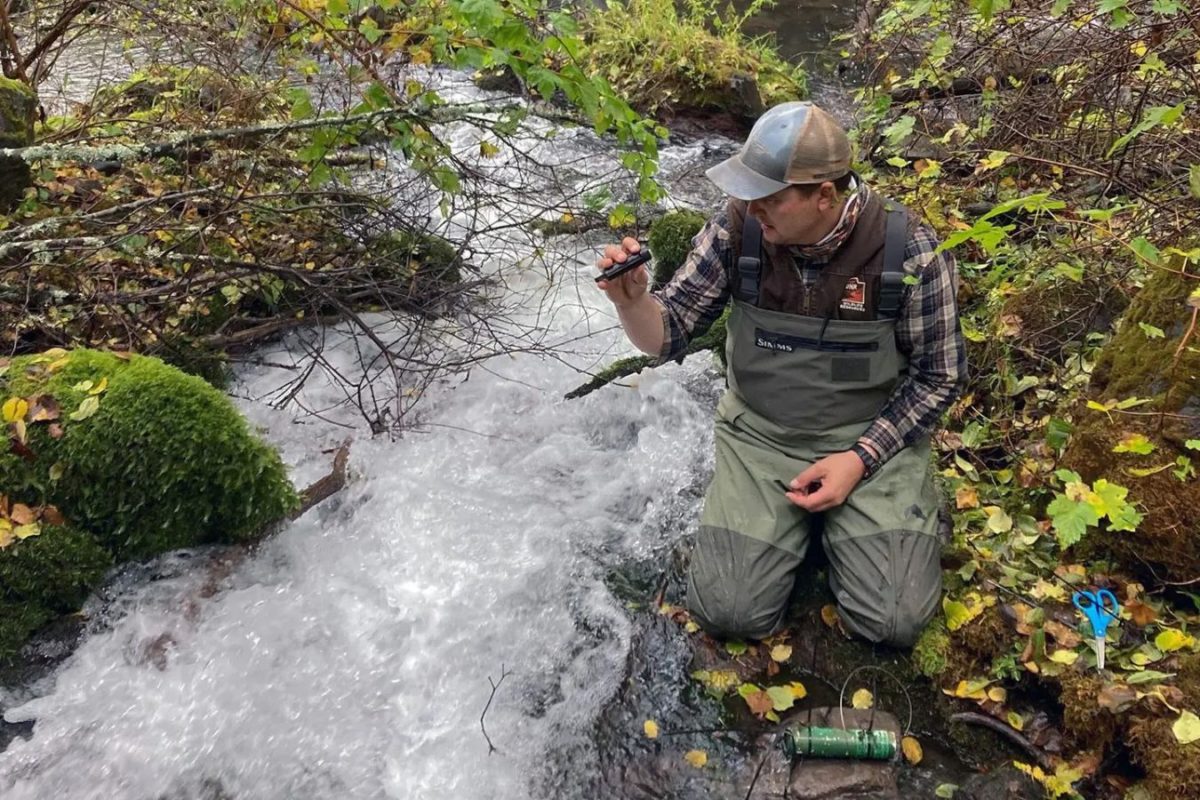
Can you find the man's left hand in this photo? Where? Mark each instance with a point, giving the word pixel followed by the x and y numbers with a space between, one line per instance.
pixel 828 482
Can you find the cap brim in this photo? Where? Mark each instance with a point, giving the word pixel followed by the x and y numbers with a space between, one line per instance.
pixel 737 180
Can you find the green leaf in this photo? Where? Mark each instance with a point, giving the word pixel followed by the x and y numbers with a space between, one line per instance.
pixel 1071 519
pixel 900 130
pixel 898 162
pixel 782 697
pixel 1135 443
pixel 338 7
pixel 1167 8
pixel 1158 115
pixel 1147 251
pixel 1194 180
pixel 1108 498
pixel 735 648
pixel 1148 676
pixel 1192 444
pixel 1068 476
pixel 1058 431
pixel 1125 518
pixel 945 790
pixel 370 30
pixel 1151 331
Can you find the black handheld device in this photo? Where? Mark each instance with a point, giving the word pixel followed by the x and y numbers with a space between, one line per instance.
pixel 619 269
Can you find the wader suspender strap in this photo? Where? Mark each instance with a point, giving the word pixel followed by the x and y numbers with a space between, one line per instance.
pixel 749 263
pixel 891 286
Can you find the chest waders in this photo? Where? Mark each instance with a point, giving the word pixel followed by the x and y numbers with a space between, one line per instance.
pixel 801 387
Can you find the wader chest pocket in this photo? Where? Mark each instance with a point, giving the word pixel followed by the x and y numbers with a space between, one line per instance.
pixel 848 369
pixel 785 343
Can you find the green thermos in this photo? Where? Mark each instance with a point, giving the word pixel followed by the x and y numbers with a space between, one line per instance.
pixel 805 741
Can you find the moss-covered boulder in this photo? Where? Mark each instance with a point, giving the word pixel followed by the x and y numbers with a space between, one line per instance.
pixel 1149 359
pixel 670 241
pixel 136 453
pixel 18 107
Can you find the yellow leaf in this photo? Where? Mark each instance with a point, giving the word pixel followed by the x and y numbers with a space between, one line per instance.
pixel 997 694
pixel 1138 48
pixel 6 535
pixel 1171 640
pixel 966 497
pixel 15 409
pixel 959 614
pixel 911 749
pixel 99 387
pixel 968 690
pixel 1064 656
pixel 692 626
pixel 57 470
pixel 798 690
pixel 862 699
pixel 27 531
pixel 829 615
pixel 1016 720
pixel 998 520
pixel 487 149
pixel 697 758
pixel 83 386
pixel 1187 727
pixel 19 430
pixel 650 728
pixel 781 652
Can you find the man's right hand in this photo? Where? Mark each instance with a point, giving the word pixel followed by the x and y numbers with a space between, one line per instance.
pixel 626 289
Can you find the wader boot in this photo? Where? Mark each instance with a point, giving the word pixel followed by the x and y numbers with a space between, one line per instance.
pixel 801 387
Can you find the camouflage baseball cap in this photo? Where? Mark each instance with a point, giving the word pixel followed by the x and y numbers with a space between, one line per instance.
pixel 790 143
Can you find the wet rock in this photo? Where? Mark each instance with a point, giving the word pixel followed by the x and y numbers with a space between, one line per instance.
pixel 18 105
pixel 826 779
pixel 1005 783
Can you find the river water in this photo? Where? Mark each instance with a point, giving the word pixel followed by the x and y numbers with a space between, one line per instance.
pixel 353 654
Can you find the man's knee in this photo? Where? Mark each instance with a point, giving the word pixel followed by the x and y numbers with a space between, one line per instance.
pixel 723 612
pixel 900 628
pixel 738 587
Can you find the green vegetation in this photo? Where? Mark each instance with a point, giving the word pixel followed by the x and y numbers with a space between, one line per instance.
pixel 665 59
pixel 115 457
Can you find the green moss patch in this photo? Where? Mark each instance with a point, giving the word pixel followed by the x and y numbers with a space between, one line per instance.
pixel 670 241
pixel 144 457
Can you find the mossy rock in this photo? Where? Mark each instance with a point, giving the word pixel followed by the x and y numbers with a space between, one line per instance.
pixel 162 461
pixel 17 621
pixel 929 654
pixel 1134 364
pixel 18 107
pixel 1172 768
pixel 1055 314
pixel 670 241
pixel 56 569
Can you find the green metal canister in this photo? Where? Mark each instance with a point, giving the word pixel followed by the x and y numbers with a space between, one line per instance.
pixel 804 741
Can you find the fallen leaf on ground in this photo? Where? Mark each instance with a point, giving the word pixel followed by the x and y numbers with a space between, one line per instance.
pixel 781 652
pixel 862 699
pixel 697 758
pixel 650 728
pixel 912 750
pixel 1186 728
pixel 829 615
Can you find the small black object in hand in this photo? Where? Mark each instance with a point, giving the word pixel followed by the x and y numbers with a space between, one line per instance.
pixel 619 269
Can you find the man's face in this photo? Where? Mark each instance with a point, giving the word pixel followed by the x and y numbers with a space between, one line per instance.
pixel 791 217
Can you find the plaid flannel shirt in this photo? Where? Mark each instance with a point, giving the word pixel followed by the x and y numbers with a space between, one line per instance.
pixel 927 331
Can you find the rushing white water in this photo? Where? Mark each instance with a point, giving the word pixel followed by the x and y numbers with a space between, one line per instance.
pixel 351 655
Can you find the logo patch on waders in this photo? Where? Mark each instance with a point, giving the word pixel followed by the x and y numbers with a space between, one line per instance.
pixel 855 297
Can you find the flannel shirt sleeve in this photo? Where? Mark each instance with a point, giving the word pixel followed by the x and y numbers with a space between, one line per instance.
pixel 695 297
pixel 929 333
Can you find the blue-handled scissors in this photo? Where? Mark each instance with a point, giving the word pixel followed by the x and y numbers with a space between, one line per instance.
pixel 1100 607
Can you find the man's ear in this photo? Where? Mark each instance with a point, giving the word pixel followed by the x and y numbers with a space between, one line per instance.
pixel 829 196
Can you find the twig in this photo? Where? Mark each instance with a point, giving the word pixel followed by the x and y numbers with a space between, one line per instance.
pixel 993 724
pixel 495 685
pixel 332 483
pixel 762 762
